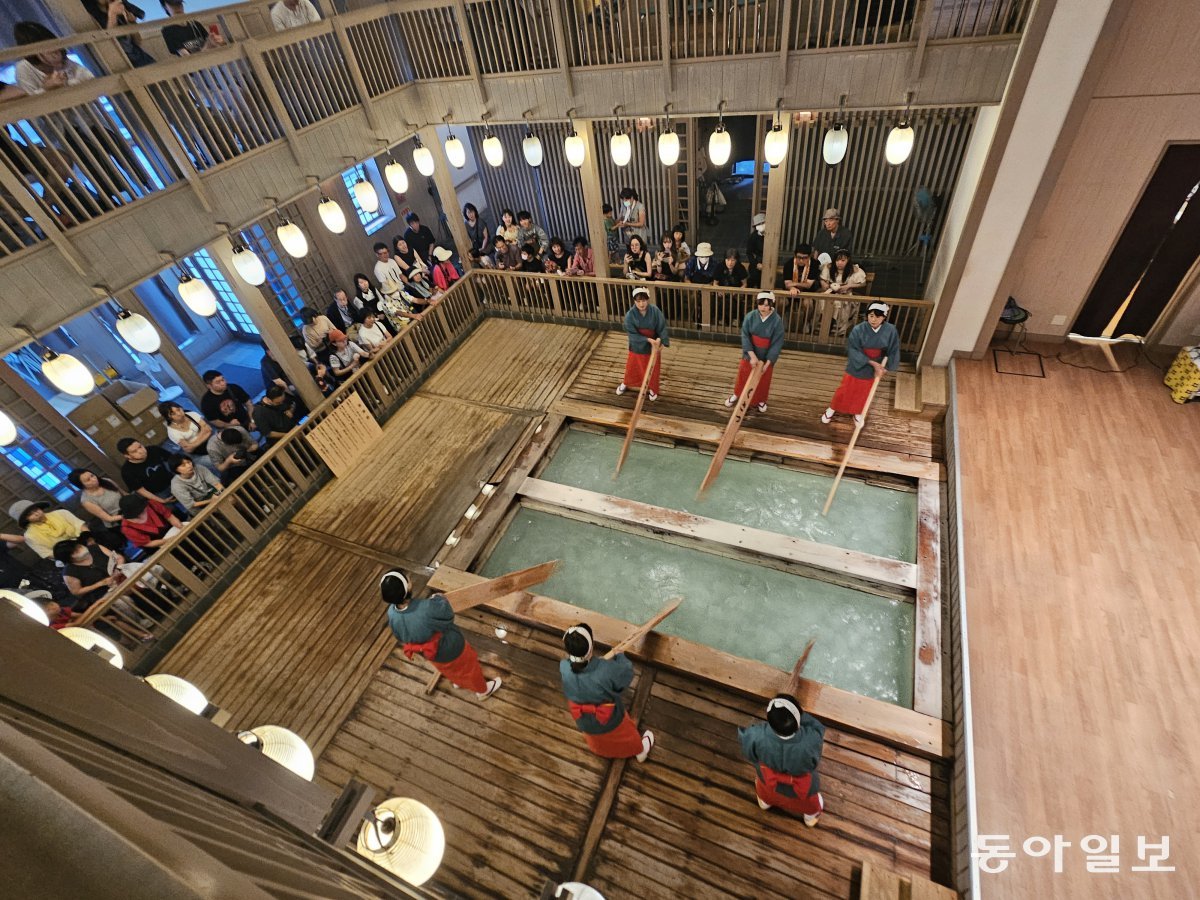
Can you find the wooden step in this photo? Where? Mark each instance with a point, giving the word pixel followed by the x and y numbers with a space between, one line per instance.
pixel 908 400
pixel 883 884
pixel 935 386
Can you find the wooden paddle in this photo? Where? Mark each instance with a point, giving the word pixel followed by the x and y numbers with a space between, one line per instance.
pixel 637 409
pixel 735 422
pixel 493 589
pixel 858 427
pixel 642 631
pixel 798 669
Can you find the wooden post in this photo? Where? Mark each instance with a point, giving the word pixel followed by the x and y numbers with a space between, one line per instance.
pixel 777 184
pixel 451 208
pixel 858 427
pixel 637 408
pixel 735 423
pixel 356 76
pixel 593 198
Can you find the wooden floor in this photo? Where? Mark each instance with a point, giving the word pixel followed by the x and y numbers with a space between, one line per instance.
pixel 1081 515
pixel 516 788
pixel 698 376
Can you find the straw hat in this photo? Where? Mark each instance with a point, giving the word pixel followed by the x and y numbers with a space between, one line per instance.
pixel 704 249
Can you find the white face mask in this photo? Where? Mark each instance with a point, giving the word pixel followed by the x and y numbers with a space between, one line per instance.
pixel 627 202
pixel 760 228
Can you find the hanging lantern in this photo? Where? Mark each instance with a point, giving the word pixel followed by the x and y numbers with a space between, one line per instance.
pixel 621 148
pixel 775 144
pixel 197 295
pixel 668 147
pixel 248 266
pixel 493 150
pixel 29 607
pixel 899 143
pixel 96 643
pixel 405 837
pixel 366 196
pixel 423 160
pixel 182 692
pixel 292 239
pixel 138 332
pixel 456 153
pixel 285 747
pixel 837 139
pixel 331 214
pixel 531 146
pixel 67 373
pixel 574 148
pixel 8 430
pixel 396 177
pixel 719 146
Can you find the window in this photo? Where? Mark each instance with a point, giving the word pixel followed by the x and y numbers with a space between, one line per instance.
pixel 278 277
pixel 231 311
pixel 371 222
pixel 40 464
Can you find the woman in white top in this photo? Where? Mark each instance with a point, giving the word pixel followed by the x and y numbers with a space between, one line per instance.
pixel 371 333
pixel 188 430
pixel 842 277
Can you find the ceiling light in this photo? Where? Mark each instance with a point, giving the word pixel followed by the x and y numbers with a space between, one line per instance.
pixel 332 215
pixel 138 332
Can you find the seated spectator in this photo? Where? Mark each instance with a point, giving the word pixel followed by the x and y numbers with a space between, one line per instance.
pixel 372 336
pixel 315 329
pixel 388 271
pixel 528 233
pixel 843 276
pixel 732 273
pixel 276 415
pixel 89 577
pixel 225 405
pixel 507 228
pixel 419 237
pixel 582 261
pixel 754 248
pixel 100 498
pixel 418 290
pixel 326 382
pixel 444 272
pixel 667 266
pixel 530 261
pixel 345 356
pixel 293 14
pixel 681 246
pixel 700 268
pixel 481 259
pixel 637 264
pixel 187 430
pixel 556 260
pixel 148 524
pixel 477 232
pixel 366 295
pixel 146 470
pixel 343 312
pixel 505 254
pixel 407 257
pixel 273 374
pixel 114 14
pixel 193 486
pixel 832 237
pixel 804 275
pixel 42 529
pixel 232 451
pixel 183 38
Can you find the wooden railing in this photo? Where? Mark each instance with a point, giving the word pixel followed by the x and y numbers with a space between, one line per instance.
pixel 811 321
pixel 212 549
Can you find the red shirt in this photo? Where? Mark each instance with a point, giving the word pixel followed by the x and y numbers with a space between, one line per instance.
pixel 155 526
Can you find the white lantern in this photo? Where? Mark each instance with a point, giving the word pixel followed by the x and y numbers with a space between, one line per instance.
pixel 397 178
pixel 8 430
pixel 67 373
pixel 531 146
pixel 247 264
pixel 332 215
pixel 423 160
pixel 405 837
pixel 493 151
pixel 899 144
pixel 197 295
pixel 668 148
pixel 285 747
pixel 574 148
pixel 456 153
pixel 292 239
pixel 138 332
pixel 182 692
pixel 837 139
pixel 775 145
pixel 366 195
pixel 621 149
pixel 29 607
pixel 96 643
pixel 720 146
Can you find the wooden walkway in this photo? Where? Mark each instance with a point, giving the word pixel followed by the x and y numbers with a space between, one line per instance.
pixel 697 377
pixel 516 789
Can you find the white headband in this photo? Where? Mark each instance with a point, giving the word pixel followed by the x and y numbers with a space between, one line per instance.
pixel 879 308
pixel 783 703
pixel 575 629
pixel 396 573
pixel 641 290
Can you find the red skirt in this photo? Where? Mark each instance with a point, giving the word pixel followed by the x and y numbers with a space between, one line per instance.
pixel 851 395
pixel 764 384
pixel 463 671
pixel 622 742
pixel 798 806
pixel 635 371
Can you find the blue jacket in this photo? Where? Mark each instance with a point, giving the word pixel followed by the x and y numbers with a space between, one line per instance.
pixel 653 320
pixel 772 328
pixel 422 619
pixel 863 337
pixel 600 681
pixel 796 755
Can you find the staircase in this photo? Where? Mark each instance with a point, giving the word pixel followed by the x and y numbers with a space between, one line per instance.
pixel 924 394
pixel 883 884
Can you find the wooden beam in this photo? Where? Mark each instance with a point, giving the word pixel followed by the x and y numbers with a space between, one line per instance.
pixel 643 630
pixel 927 661
pixel 637 408
pixel 356 76
pixel 167 140
pixel 384 557
pixel 16 187
pixel 924 735
pixel 451 208
pixel 924 24
pixel 741 537
pixel 593 202
pixel 561 46
pixel 464 35
pixel 777 199
pixel 866 460
pixel 496 588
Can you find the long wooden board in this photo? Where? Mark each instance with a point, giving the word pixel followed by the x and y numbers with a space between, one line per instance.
pixel 645 629
pixel 923 735
pixel 927 660
pixel 495 588
pixel 824 556
pixel 637 408
pixel 740 408
pixel 865 459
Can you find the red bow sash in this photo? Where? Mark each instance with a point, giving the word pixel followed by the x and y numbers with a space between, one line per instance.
pixel 428 649
pixel 602 711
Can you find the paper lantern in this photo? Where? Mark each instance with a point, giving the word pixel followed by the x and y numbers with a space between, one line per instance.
pixel 182 692
pixel 456 153
pixel 248 266
pixel 197 295
pixel 720 146
pixel 531 146
pixel 837 139
pixel 29 607
pixel 396 177
pixel 284 747
pixel 621 149
pixel 575 149
pixel 775 145
pixel 67 373
pixel 668 148
pixel 8 430
pixel 493 151
pixel 366 196
pixel 95 643
pixel 292 239
pixel 405 837
pixel 138 332
pixel 899 144
pixel 423 160
pixel 332 215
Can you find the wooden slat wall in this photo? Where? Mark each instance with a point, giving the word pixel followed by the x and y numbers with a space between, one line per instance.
pixel 975 18
pixel 381 53
pixel 656 184
pixel 312 78
pixel 552 191
pixel 512 35
pixel 434 43
pixel 875 198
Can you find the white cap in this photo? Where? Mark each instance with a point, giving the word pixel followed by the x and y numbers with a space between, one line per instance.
pixel 441 254
pixel 641 290
pixel 766 296
pixel 879 308
pixel 760 219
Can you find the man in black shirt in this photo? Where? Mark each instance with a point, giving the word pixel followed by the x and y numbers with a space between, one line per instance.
pixel 276 415
pixel 418 236
pixel 185 38
pixel 146 470
pixel 226 405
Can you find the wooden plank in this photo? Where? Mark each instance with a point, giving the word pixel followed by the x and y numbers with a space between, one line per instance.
pixel 905 728
pixel 740 408
pixel 748 439
pixel 496 589
pixel 631 428
pixel 642 630
pixel 879 884
pixel 837 559
pixel 926 890
pixel 927 664
pixel 379 555
pixel 859 421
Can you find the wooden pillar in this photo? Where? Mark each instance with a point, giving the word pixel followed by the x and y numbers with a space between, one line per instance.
pixel 776 200
pixel 170 352
pixel 593 197
pixel 451 208
pixel 258 305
